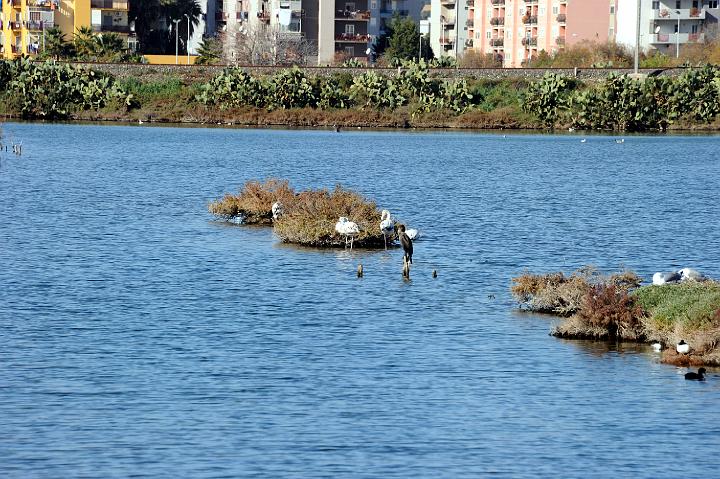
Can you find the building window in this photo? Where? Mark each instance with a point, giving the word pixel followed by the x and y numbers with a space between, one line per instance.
pixel 656 5
pixel 694 28
pixel 350 29
pixel 611 32
pixel 675 28
pixel 612 9
pixel 542 10
pixel 678 3
pixel 489 34
pixel 350 51
pixel 373 5
pixel 556 10
pixel 713 4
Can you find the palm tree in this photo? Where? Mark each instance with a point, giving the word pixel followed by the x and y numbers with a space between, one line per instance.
pixel 209 52
pixel 109 46
pixel 154 19
pixel 85 45
pixel 55 44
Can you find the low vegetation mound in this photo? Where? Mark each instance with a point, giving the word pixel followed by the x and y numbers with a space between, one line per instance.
pixel 615 307
pixel 308 218
pixel 253 205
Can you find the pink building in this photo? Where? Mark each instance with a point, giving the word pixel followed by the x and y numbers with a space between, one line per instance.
pixel 517 30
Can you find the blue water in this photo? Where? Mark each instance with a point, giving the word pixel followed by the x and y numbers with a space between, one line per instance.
pixel 138 337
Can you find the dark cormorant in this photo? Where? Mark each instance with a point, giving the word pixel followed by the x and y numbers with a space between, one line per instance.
pixel 406 243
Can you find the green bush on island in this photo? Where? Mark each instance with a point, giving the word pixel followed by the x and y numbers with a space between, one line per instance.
pixel 52 91
pixel 308 218
pixel 616 307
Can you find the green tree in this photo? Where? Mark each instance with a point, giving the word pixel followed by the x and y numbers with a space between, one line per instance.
pixel 109 47
pixel 209 52
pixel 154 24
pixel 403 39
pixel 56 46
pixel 84 43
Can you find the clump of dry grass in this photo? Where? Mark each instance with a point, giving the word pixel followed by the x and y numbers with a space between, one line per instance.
pixel 556 293
pixel 310 219
pixel 254 202
pixel 607 311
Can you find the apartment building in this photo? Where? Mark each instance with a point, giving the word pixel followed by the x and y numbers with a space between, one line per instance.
pixel 450 26
pixel 515 31
pixel 24 22
pixel 667 25
pixel 336 28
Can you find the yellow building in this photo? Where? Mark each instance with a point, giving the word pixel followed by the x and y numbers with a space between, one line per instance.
pixel 24 22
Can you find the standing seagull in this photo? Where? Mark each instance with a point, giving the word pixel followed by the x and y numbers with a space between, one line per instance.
pixel 406 243
pixel 348 229
pixel 387 225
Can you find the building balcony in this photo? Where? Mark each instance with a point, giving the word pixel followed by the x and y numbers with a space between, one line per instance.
pixel 352 38
pixel 447 22
pixel 39 25
pixel 498 2
pixel 530 19
pixel 470 23
pixel 673 38
pixel 356 16
pixel 529 41
pixel 497 42
pixel 15 25
pixel 469 43
pixel 470 3
pixel 109 4
pixel 560 41
pixel 497 21
pixel 44 4
pixel 672 14
pixel 447 2
pixel 111 28
pixel 264 17
pixel 16 3
pixel 562 18
pixel 446 41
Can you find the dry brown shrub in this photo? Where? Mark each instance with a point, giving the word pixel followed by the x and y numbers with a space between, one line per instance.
pixel 476 59
pixel 556 293
pixel 254 202
pixel 310 219
pixel 608 312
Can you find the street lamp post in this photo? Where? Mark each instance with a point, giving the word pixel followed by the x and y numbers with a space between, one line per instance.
pixel 176 39
pixel 637 39
pixel 187 45
pixel 677 36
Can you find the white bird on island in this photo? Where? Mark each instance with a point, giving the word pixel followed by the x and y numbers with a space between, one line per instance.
pixel 387 225
pixel 663 278
pixel 348 229
pixel 657 346
pixel 277 210
pixel 412 233
pixel 682 347
pixel 689 274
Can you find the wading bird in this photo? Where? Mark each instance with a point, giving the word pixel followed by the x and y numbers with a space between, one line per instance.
pixel 348 229
pixel 406 243
pixel 277 210
pixel 387 226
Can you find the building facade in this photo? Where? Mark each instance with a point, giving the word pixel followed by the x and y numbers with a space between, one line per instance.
pixel 336 29
pixel 24 22
pixel 451 24
pixel 667 25
pixel 516 31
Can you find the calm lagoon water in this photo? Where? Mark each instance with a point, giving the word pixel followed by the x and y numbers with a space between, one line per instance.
pixel 140 337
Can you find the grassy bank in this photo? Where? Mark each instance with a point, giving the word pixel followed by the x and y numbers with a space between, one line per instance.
pixel 616 307
pixel 308 217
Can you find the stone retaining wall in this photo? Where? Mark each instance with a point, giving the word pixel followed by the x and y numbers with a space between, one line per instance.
pixel 193 73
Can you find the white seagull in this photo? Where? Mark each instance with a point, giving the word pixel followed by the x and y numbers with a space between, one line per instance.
pixel 348 229
pixel 663 278
pixel 387 226
pixel 689 274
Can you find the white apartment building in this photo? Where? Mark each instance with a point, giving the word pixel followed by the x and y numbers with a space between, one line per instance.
pixel 666 25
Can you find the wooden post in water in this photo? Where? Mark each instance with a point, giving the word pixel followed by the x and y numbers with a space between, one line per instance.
pixel 360 271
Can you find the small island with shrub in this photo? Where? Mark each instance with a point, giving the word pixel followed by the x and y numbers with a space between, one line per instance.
pixel 615 307
pixel 308 217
